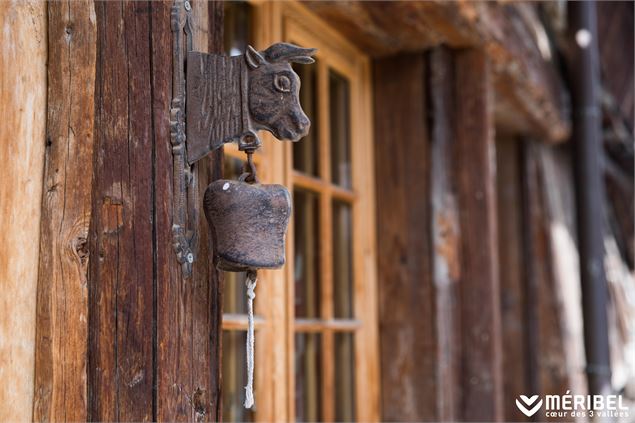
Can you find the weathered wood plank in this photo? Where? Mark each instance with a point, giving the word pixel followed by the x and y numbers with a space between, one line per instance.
pixel 23 53
pixel 550 373
pixel 173 327
pixel 407 338
pixel 557 196
pixel 446 242
pixel 188 311
pixel 480 292
pixel 121 286
pixel 512 268
pixel 62 310
pixel 215 277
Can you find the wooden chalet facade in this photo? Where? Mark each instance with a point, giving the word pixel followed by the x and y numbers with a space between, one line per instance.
pixel 459 237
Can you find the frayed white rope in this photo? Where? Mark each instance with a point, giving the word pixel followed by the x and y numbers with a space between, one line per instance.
pixel 249 389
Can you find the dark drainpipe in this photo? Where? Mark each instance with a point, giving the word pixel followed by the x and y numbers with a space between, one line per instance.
pixel 584 73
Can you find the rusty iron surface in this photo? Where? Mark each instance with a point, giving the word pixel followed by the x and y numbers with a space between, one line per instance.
pixel 232 98
pixel 249 223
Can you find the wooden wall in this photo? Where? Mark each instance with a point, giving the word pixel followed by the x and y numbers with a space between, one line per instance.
pixel 121 335
pixel 23 47
pixel 438 266
pixel 475 245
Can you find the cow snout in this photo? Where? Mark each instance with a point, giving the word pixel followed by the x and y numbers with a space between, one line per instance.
pixel 303 125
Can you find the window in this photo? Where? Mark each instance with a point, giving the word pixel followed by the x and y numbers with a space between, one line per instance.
pixel 316 319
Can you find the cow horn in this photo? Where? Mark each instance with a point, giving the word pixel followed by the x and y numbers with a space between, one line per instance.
pixel 290 53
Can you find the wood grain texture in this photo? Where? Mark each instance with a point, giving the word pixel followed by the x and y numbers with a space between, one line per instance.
pixel 121 285
pixel 445 232
pixel 406 316
pixel 188 311
pixel 557 189
pixel 479 290
pixel 549 361
pixel 23 51
pixel 513 283
pixel 61 354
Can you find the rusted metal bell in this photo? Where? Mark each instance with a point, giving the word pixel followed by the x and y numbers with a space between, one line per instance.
pixel 249 223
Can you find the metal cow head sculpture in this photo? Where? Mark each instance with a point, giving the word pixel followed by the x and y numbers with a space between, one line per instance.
pixel 231 98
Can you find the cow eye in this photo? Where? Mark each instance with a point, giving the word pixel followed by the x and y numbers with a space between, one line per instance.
pixel 282 83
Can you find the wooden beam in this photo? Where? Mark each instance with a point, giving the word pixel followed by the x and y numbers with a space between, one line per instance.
pixel 446 237
pixel 547 358
pixel 23 76
pixel 188 311
pixel 62 310
pixel 528 90
pixel 121 276
pixel 482 396
pixel 516 341
pixel 407 328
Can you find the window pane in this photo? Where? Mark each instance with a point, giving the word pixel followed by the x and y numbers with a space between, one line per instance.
pixel 235 293
pixel 342 260
pixel 237 27
pixel 305 152
pixel 234 377
pixel 344 377
pixel 307 377
pixel 340 129
pixel 234 296
pixel 306 261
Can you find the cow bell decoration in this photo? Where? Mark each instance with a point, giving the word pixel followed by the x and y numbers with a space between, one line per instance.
pixel 232 98
pixel 229 99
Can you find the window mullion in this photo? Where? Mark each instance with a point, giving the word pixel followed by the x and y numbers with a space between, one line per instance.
pixel 326 246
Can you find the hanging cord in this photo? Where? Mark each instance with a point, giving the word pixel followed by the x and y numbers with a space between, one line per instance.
pixel 251 286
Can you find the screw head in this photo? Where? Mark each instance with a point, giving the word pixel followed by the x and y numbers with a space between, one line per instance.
pixel 187 6
pixel 190 258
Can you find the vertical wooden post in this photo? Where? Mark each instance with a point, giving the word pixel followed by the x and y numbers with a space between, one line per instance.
pixel 22 143
pixel 122 272
pixel 154 336
pixel 479 288
pixel 62 309
pixel 516 339
pixel 406 314
pixel 188 311
pixel 445 236
pixel 533 274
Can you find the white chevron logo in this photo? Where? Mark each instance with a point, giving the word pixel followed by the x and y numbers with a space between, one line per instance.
pixel 526 403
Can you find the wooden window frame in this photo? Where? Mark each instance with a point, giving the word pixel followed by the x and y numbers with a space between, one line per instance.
pixel 275 367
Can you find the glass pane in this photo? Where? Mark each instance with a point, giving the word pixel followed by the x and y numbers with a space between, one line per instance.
pixel 344 377
pixel 234 296
pixel 339 113
pixel 234 377
pixel 307 377
pixel 306 261
pixel 235 293
pixel 342 260
pixel 305 153
pixel 237 27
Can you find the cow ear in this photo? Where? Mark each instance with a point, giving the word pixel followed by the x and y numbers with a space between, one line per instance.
pixel 253 58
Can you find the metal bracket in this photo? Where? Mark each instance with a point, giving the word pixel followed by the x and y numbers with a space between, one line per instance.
pixel 227 99
pixel 185 186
